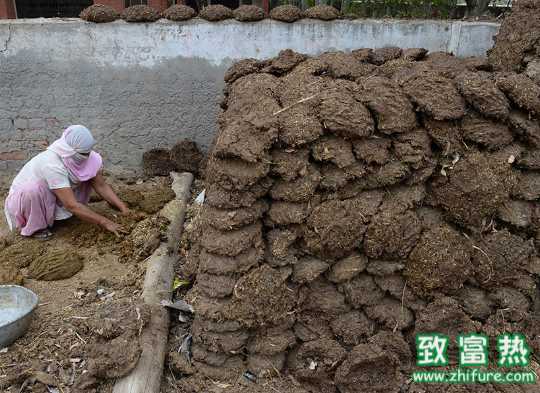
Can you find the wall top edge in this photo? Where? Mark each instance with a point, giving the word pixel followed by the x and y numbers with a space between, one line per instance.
pixel 194 21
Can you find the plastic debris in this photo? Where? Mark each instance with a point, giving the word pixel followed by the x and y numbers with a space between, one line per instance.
pixel 185 348
pixel 250 376
pixel 178 305
pixel 182 317
pixel 200 198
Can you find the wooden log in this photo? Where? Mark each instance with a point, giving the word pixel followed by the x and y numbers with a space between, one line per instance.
pixel 158 281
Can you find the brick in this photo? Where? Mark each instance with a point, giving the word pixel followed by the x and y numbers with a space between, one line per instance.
pixel 6 127
pixel 13 156
pixel 41 144
pixel 21 124
pixel 14 166
pixel 160 5
pixel 36 123
pixel 52 122
pixel 118 5
pixel 7 9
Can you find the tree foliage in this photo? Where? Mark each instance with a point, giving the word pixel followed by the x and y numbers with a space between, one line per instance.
pixel 402 8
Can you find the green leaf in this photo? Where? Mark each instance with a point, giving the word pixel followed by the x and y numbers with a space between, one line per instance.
pixel 179 283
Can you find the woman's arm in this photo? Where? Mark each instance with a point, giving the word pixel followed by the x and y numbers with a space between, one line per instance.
pixel 67 197
pixel 106 192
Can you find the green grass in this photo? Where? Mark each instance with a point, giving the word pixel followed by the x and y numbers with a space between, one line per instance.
pixel 402 8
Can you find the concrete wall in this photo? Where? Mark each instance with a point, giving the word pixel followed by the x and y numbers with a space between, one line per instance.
pixel 139 86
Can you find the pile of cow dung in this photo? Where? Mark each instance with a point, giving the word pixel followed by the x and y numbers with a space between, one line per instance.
pixel 184 156
pixel 179 12
pixel 322 12
pixel 249 13
pixel 517 45
pixel 355 199
pixel 108 347
pixel 56 265
pixel 99 13
pixel 140 13
pixel 286 13
pixel 216 12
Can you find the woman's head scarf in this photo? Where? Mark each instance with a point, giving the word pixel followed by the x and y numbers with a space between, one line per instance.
pixel 75 149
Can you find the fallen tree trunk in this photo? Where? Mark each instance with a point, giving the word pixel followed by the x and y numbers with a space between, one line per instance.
pixel 146 377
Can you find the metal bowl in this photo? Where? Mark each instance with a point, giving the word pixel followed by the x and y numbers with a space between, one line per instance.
pixel 17 305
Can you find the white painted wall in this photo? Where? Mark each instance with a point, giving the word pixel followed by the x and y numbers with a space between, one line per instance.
pixel 125 44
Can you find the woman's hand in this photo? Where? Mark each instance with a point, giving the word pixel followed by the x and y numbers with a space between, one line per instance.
pixel 113 227
pixel 68 200
pixel 106 192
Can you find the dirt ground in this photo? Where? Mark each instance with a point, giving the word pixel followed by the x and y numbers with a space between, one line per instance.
pixel 86 327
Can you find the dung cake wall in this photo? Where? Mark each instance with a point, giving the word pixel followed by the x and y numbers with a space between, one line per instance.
pixel 517 44
pixel 354 199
